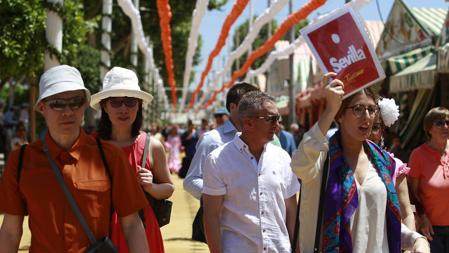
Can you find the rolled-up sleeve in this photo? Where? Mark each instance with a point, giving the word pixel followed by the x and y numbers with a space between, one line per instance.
pixel 193 183
pixel 213 179
pixel 307 158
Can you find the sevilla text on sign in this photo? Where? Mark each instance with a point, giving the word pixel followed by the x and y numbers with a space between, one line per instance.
pixel 341 45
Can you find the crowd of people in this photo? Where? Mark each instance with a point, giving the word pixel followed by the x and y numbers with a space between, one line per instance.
pixel 84 191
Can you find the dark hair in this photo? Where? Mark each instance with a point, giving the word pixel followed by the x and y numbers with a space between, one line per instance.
pixel 432 115
pixel 105 124
pixel 347 101
pixel 252 102
pixel 236 93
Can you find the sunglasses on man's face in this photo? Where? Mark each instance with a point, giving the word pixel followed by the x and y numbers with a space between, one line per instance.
pixel 441 122
pixel 273 119
pixel 117 102
pixel 60 104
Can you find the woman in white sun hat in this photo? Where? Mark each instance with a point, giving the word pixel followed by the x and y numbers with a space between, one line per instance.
pixel 121 102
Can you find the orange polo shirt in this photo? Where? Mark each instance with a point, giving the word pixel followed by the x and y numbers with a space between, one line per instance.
pixel 54 227
pixel 432 170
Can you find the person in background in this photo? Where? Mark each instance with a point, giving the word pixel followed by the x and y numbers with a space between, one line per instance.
pixel 204 127
pixel 34 190
pixel 286 139
pixel 121 103
pixel 429 180
pixel 387 116
pixel 189 139
pixel 221 115
pixel 249 188
pixel 173 145
pixel 360 206
pixel 156 132
pixel 297 131
pixel 24 115
pixel 20 137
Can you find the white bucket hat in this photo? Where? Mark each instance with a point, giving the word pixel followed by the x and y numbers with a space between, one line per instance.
pixel 120 82
pixel 60 79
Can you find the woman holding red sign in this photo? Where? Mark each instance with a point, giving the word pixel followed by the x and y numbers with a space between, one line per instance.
pixel 348 195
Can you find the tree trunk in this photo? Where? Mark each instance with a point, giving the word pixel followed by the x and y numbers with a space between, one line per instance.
pixel 53 33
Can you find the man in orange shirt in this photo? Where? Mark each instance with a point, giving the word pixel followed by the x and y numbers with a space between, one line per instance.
pixel 97 189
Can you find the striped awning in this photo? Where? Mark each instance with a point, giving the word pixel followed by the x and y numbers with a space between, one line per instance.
pixel 400 62
pixel 420 75
pixel 431 19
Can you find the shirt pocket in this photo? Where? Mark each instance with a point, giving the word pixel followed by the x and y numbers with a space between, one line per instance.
pixel 94 196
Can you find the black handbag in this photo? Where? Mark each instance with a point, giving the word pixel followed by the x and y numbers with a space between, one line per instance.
pixel 198 227
pixel 161 207
pixel 102 245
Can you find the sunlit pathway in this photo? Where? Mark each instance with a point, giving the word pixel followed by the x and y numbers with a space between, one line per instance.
pixel 177 234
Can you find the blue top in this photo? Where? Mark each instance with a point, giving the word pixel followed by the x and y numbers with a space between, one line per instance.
pixel 287 142
pixel 193 183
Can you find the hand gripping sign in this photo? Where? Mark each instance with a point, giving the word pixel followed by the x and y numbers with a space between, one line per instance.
pixel 341 45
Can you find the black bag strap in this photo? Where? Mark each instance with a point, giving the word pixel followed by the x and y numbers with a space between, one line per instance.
pixel 145 150
pixel 319 222
pixel 20 164
pixel 67 193
pixel 297 221
pixel 103 158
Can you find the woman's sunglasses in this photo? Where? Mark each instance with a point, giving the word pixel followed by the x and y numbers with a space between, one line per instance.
pixel 59 104
pixel 441 122
pixel 117 102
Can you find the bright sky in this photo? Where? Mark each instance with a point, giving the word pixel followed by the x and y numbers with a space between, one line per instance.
pixel 212 22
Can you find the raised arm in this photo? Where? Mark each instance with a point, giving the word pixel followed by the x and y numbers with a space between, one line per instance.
pixel 306 159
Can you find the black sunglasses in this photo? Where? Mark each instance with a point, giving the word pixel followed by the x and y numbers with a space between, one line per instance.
pixel 59 104
pixel 441 122
pixel 117 102
pixel 270 118
pixel 359 110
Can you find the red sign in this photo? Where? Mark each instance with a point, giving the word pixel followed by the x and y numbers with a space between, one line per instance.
pixel 341 45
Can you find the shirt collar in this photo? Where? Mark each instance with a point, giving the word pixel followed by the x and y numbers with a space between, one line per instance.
pixel 242 146
pixel 228 127
pixel 75 151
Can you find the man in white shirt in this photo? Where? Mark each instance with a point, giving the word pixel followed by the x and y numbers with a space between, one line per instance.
pixel 249 188
pixel 193 183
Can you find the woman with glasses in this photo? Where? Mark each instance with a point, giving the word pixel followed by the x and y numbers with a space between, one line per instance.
pixel 354 207
pixel 121 102
pixel 387 116
pixel 429 180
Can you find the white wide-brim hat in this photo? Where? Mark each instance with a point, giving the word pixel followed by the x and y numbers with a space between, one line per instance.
pixel 120 82
pixel 60 79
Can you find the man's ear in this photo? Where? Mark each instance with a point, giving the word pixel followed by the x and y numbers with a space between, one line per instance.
pixel 232 107
pixel 40 107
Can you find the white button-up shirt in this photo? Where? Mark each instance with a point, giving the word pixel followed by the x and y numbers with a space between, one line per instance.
pixel 254 213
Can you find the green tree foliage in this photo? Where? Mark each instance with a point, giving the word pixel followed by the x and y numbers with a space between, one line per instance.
pixel 23 42
pixel 240 34
pixel 22 38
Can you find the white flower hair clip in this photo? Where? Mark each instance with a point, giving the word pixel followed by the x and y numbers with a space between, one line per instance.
pixel 389 111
